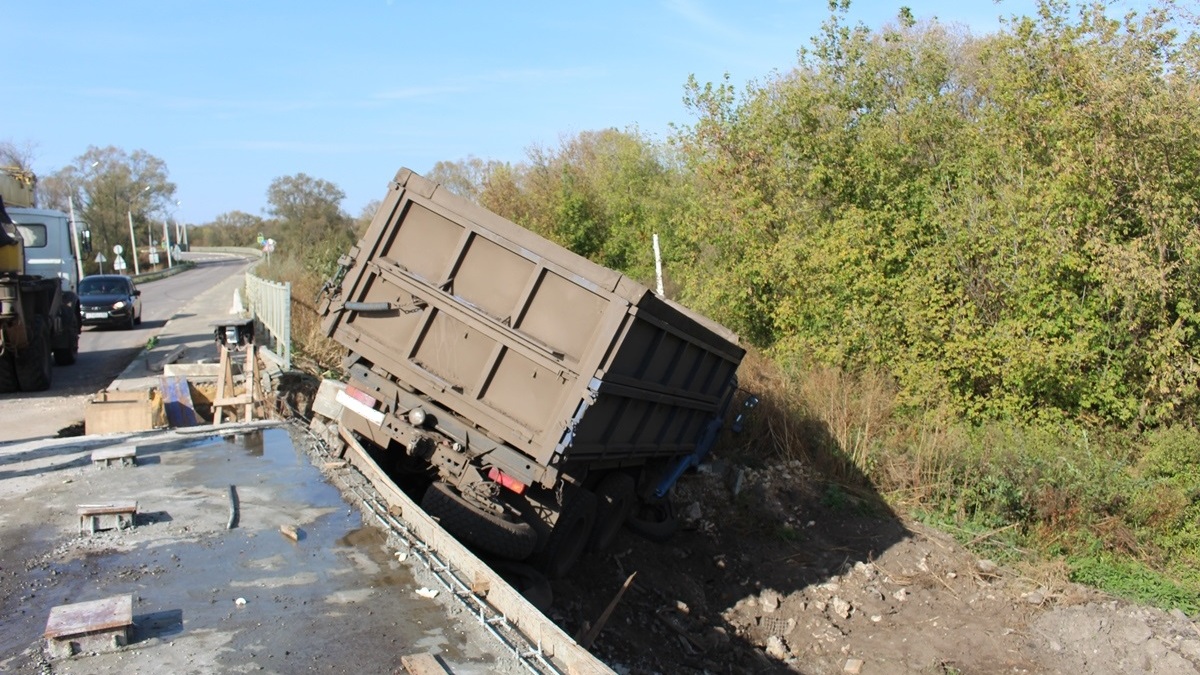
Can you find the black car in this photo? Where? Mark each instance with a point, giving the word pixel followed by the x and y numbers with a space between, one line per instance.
pixel 110 300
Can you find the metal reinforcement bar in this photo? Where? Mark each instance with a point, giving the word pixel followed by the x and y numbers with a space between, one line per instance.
pixel 271 304
pixel 539 643
pixel 495 623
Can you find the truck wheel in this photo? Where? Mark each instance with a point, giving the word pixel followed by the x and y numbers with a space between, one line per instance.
pixel 65 356
pixel 570 535
pixel 615 497
pixel 654 520
pixel 8 373
pixel 527 581
pixel 33 364
pixel 487 531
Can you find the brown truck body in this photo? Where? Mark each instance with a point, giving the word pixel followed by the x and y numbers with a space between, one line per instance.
pixel 532 359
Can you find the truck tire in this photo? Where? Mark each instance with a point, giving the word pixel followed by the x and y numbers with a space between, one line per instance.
pixel 486 531
pixel 615 497
pixel 570 534
pixel 528 581
pixel 65 355
pixel 654 520
pixel 8 373
pixel 33 364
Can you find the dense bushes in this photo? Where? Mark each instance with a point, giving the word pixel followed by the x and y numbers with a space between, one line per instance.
pixel 971 261
pixel 969 265
pixel 1005 224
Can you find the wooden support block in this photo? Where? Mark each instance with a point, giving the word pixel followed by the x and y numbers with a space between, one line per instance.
pixel 121 455
pixel 98 625
pixel 118 411
pixel 423 664
pixel 118 515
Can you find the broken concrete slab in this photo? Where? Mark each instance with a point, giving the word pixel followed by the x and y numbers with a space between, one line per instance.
pixel 94 626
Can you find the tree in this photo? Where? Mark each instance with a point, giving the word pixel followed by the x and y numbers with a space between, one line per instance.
pixel 1006 224
pixel 365 217
pixel 110 187
pixel 310 219
pixel 232 228
pixel 465 178
pixel 18 156
pixel 601 194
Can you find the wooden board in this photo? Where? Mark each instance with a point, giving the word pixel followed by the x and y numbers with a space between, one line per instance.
pixel 122 506
pixel 423 664
pixel 115 411
pixel 118 453
pixel 88 617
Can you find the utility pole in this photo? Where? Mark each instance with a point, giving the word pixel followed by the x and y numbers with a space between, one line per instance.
pixel 133 245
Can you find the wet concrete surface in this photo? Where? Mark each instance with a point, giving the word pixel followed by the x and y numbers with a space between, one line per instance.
pixel 334 600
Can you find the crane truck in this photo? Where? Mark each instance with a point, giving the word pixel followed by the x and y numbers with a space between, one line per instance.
pixel 39 272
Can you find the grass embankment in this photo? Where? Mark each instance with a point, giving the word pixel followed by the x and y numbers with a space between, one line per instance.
pixel 1118 510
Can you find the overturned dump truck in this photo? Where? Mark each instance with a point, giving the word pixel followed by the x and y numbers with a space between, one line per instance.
pixel 538 399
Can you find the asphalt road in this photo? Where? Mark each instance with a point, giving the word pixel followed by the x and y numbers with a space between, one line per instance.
pixel 105 352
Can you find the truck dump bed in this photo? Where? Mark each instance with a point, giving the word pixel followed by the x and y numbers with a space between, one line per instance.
pixel 537 347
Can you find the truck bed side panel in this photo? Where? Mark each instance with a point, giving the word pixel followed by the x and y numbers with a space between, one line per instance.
pixel 541 349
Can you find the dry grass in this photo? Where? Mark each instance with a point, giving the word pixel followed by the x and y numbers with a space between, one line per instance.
pixel 309 343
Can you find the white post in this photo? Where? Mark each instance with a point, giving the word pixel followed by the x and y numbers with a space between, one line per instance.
pixel 133 244
pixel 167 245
pixel 658 265
pixel 75 241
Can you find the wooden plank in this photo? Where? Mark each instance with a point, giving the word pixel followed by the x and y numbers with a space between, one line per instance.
pixel 118 411
pixel 122 506
pixel 177 401
pixel 87 617
pixel 423 664
pixel 117 452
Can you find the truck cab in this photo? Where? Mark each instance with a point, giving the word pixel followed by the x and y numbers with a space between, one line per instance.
pixel 39 272
pixel 49 245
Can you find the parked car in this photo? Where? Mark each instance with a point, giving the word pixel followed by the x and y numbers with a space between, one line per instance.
pixel 110 300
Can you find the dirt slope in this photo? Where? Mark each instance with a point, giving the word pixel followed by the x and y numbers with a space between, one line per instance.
pixel 776 579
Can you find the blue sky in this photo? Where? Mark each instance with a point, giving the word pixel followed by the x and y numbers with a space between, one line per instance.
pixel 234 94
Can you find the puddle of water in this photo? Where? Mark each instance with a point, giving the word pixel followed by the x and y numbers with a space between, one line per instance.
pixel 372 542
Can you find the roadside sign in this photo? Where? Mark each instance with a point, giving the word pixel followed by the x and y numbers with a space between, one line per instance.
pixel 119 263
pixel 260 238
pixel 153 257
pixel 100 259
pixel 269 246
pixel 117 249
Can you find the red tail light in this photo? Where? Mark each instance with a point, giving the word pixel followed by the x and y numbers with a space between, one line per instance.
pixel 506 480
pixel 360 396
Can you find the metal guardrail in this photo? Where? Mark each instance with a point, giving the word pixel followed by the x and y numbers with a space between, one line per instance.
pixel 271 304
